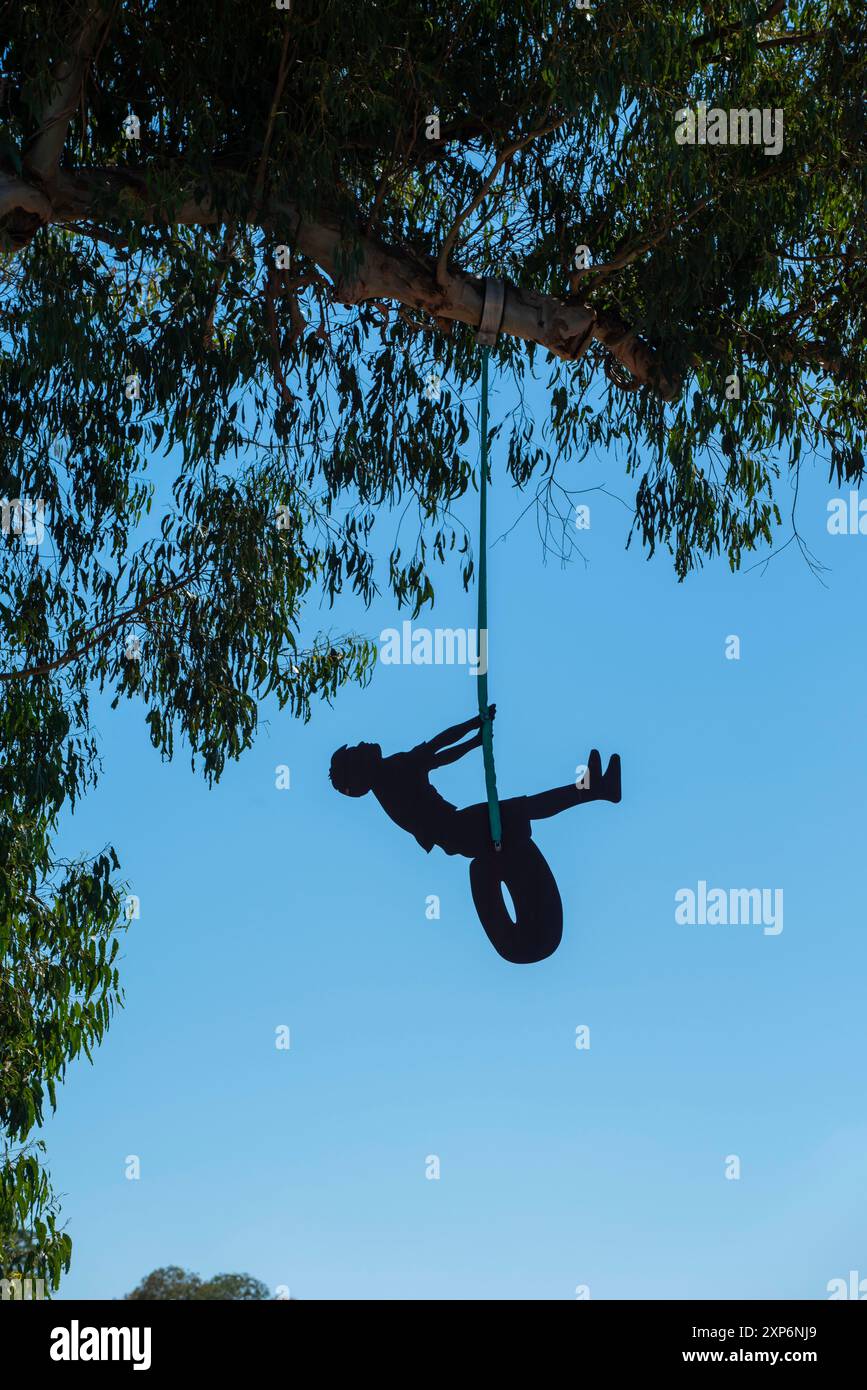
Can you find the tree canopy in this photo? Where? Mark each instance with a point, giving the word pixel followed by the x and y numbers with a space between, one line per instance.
pixel 180 1285
pixel 236 243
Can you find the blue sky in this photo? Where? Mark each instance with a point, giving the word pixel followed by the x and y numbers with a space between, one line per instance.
pixel 559 1167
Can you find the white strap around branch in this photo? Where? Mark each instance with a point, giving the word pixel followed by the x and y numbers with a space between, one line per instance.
pixel 492 313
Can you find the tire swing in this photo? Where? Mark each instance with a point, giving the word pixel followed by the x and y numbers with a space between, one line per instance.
pixel 512 862
pixel 538 926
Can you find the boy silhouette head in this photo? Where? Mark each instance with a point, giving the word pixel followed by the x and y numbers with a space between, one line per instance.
pixel 353 769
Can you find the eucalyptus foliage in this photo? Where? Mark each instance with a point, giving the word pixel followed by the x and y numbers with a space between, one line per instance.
pixel 176 1285
pixel 236 240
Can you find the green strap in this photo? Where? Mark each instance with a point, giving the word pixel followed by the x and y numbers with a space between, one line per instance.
pixel 487 728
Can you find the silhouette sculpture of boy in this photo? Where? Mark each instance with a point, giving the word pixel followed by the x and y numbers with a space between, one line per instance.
pixel 401 785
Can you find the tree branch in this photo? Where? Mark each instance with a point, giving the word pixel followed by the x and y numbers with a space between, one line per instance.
pixel 224 257
pixel 23 210
pixel 272 287
pixel 41 157
pixel 783 41
pixel 502 158
pixel 272 115
pixel 103 630
pixel 384 272
pixel 774 348
pixel 714 34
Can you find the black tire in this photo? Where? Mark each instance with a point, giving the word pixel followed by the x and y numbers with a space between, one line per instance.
pixel 526 873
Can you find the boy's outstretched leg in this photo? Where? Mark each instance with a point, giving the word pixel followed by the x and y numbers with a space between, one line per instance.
pixel 594 786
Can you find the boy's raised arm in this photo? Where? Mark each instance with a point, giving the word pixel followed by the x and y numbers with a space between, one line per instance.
pixel 451 735
pixel 451 755
pixel 437 746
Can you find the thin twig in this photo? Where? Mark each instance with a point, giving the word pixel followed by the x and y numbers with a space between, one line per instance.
pixel 502 159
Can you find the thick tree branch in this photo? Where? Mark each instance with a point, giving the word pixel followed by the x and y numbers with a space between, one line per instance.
pixel 23 210
pixel 43 150
pixel 384 272
pixel 566 330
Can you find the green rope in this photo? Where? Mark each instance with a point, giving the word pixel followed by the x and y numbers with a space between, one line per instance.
pixel 487 727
